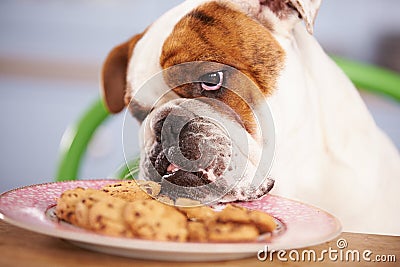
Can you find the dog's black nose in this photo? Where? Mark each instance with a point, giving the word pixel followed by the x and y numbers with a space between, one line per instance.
pixel 169 128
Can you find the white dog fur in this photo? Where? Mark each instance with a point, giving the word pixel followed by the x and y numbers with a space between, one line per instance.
pixel 329 152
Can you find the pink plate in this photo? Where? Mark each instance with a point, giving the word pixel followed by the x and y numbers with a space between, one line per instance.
pixel 301 225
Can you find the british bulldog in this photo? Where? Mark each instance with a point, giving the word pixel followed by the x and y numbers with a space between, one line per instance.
pixel 205 80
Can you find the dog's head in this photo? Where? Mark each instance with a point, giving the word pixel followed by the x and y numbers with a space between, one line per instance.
pixel 196 79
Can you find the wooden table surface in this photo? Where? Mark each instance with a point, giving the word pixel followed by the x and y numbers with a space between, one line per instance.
pixel 19 247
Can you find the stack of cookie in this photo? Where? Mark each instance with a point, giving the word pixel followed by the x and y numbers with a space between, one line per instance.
pixel 136 209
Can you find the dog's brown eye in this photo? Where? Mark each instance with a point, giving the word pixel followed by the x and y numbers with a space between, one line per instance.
pixel 212 81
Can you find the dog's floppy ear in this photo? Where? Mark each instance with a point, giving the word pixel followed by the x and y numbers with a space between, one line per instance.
pixel 113 75
pixel 308 10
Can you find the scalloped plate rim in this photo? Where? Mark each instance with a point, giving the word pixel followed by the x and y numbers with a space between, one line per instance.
pixel 107 244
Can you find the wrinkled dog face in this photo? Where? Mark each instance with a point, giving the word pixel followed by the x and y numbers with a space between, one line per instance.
pixel 183 141
pixel 198 151
pixel 184 148
pixel 220 61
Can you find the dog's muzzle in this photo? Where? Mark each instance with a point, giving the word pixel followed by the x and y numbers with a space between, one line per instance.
pixel 195 151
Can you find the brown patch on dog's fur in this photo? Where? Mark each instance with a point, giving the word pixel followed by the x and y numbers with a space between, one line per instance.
pixel 113 75
pixel 217 33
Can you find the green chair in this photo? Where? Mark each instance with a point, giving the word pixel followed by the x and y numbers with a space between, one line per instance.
pixel 78 135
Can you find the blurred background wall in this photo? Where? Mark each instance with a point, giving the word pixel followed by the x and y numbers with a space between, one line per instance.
pixel 51 53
